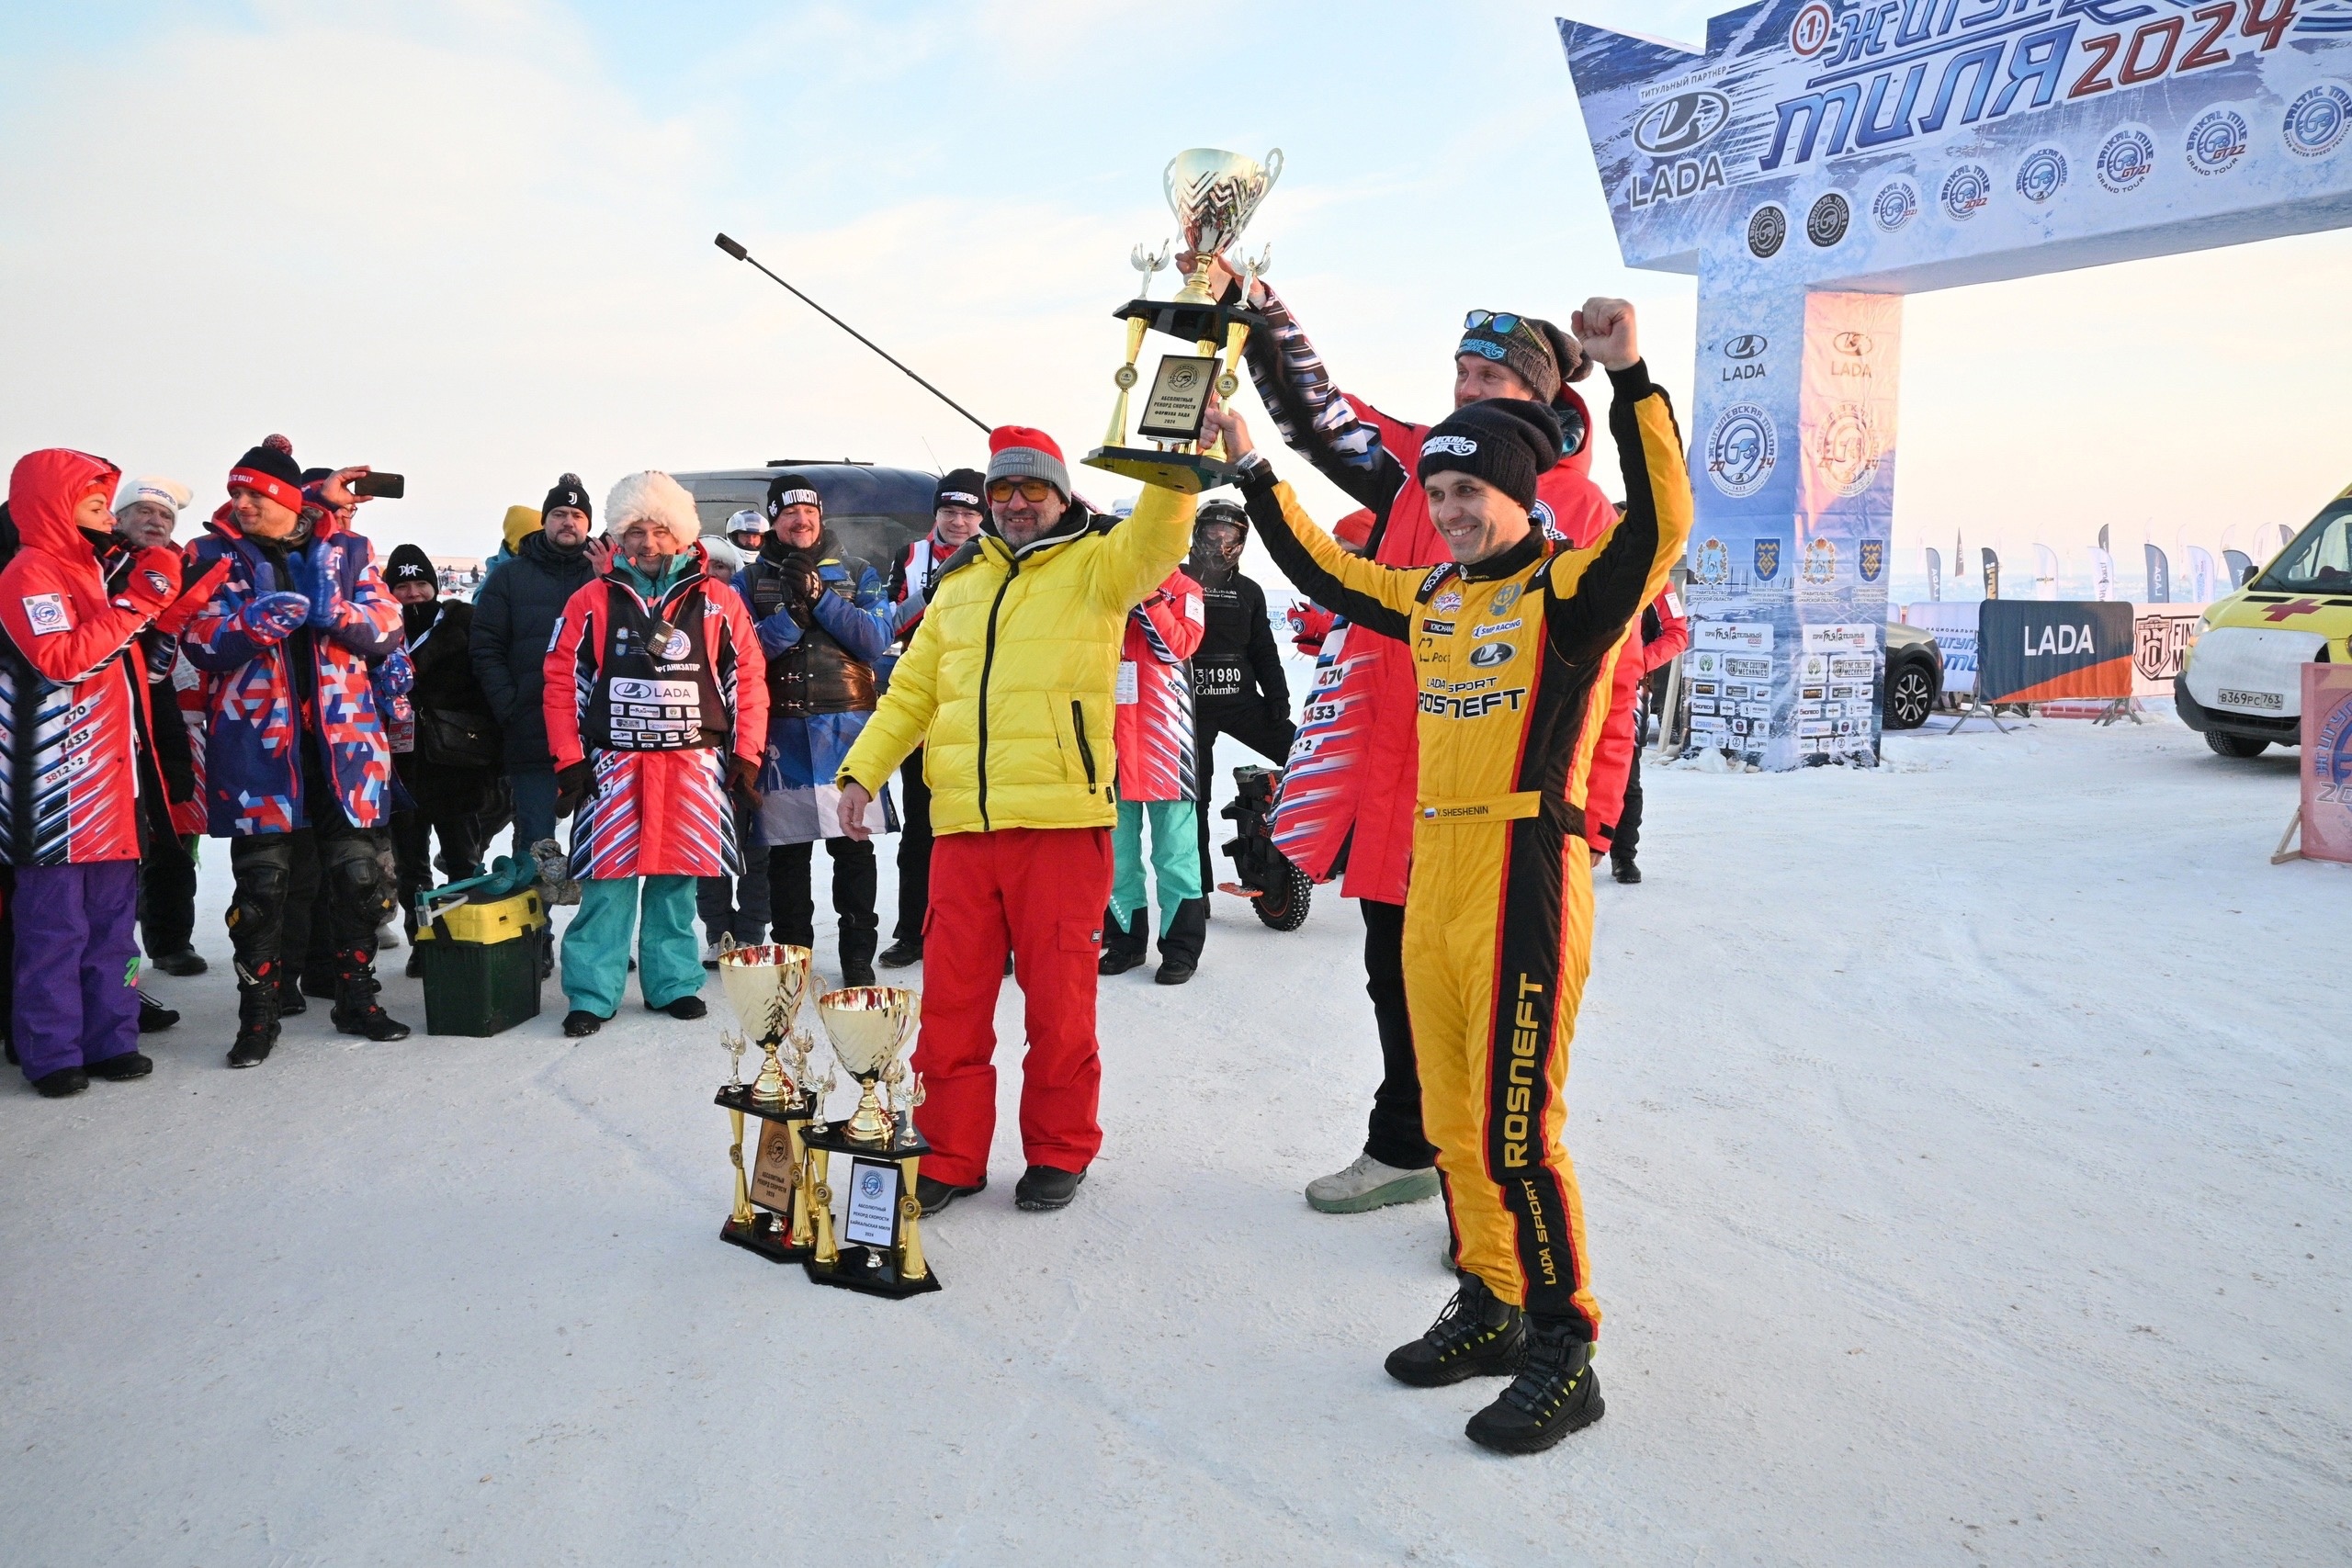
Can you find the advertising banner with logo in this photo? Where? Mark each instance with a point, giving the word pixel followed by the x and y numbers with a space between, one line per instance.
pixel 1955 629
pixel 1819 159
pixel 2031 650
pixel 2160 638
pixel 2328 761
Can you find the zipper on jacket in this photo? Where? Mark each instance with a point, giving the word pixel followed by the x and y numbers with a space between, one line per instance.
pixel 987 662
pixel 1085 753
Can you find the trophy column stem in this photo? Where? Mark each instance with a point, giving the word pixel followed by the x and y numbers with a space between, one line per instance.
pixel 799 1152
pixel 910 1263
pixel 743 1216
pixel 820 1201
pixel 1125 379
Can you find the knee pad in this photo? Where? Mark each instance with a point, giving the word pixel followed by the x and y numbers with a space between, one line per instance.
pixel 260 895
pixel 361 878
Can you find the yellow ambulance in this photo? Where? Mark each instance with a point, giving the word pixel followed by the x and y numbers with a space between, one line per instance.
pixel 2242 684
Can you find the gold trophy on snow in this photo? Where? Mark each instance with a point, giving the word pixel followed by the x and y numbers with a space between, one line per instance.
pixel 1213 193
pixel 880 1245
pixel 772 1215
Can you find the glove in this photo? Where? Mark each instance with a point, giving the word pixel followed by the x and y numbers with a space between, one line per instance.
pixel 271 620
pixel 193 598
pixel 571 787
pixel 319 574
pixel 801 587
pixel 743 783
pixel 154 581
pixel 397 677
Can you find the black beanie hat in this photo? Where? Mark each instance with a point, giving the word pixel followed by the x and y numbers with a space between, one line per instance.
pixel 793 490
pixel 407 563
pixel 1507 442
pixel 569 492
pixel 962 487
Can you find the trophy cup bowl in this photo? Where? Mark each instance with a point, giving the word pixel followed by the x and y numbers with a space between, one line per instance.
pixel 870 1027
pixel 765 986
pixel 1213 193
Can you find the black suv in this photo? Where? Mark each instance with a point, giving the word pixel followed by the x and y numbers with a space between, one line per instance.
pixel 874 511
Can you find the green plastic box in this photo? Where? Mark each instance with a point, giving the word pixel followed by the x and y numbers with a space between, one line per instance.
pixel 481 967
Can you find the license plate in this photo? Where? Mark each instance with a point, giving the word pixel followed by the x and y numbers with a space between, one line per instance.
pixel 2265 702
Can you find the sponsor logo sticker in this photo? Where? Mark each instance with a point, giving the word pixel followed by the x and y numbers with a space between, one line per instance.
pixel 1896 203
pixel 2316 121
pixel 1505 597
pixel 2042 176
pixel 1742 449
pixel 1486 655
pixel 1448 602
pixel 1768 560
pixel 1871 559
pixel 1498 628
pixel 47 614
pixel 2125 160
pixel 1966 191
pixel 1827 224
pixel 1768 228
pixel 1452 445
pixel 2216 142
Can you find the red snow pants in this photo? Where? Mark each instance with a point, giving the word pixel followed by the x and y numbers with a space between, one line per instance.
pixel 1039 893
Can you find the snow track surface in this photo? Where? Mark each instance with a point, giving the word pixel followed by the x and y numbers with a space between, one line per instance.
pixel 1966 1151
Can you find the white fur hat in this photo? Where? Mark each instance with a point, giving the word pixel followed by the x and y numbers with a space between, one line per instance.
pixel 724 558
pixel 170 495
pixel 655 497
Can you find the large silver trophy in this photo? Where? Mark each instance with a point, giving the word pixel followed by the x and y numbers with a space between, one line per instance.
pixel 1213 193
pixel 881 1250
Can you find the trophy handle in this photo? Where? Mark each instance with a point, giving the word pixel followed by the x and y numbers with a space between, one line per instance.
pixel 1272 165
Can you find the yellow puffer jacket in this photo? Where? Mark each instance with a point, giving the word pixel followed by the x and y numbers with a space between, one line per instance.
pixel 1009 683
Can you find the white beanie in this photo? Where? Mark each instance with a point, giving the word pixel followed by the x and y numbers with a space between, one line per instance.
pixel 653 497
pixel 170 495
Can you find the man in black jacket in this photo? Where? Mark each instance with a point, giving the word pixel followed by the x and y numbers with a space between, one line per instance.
pixel 515 616
pixel 1239 687
pixel 454 756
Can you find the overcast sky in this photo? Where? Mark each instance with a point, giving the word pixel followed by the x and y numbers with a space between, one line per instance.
pixel 470 240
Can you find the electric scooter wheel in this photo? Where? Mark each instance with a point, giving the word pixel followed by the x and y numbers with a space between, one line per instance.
pixel 1283 906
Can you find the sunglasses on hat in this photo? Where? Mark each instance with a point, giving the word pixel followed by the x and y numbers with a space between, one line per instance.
pixel 1031 489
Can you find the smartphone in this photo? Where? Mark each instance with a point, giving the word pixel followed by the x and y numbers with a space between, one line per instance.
pixel 392 487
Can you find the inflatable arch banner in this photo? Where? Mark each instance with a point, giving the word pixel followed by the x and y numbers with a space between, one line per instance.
pixel 1820 159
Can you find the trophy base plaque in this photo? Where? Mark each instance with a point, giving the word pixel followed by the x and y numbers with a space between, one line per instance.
pixel 880 1252
pixel 1188 473
pixel 775 1182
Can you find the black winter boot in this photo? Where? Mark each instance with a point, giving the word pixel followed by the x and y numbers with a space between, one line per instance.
pixel 1623 868
pixel 1179 948
pixel 1554 1393
pixel 153 1016
pixel 858 933
pixel 1476 1335
pixel 1044 1186
pixel 1122 946
pixel 61 1083
pixel 123 1067
pixel 906 950
pixel 935 1194
pixel 356 1010
pixel 257 1000
pixel 291 1002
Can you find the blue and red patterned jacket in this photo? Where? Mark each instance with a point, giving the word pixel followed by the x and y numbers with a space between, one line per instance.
pixel 257 716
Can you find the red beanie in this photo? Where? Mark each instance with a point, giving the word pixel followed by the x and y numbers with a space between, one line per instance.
pixel 1017 452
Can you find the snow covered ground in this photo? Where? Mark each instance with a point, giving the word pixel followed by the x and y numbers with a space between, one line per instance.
pixel 1966 1147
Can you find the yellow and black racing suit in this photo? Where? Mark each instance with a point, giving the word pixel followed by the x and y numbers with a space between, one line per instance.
pixel 1512 659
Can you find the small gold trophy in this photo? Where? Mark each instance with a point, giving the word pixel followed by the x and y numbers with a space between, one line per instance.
pixel 881 1237
pixel 1213 193
pixel 766 985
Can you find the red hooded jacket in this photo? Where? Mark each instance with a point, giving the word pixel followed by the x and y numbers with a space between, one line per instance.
pixel 1151 726
pixel 76 699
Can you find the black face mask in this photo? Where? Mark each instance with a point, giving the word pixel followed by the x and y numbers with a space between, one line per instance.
pixel 415 619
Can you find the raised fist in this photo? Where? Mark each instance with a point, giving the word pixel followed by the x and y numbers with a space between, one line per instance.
pixel 1605 327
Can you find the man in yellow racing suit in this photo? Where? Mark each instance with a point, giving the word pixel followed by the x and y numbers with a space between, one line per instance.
pixel 1513 643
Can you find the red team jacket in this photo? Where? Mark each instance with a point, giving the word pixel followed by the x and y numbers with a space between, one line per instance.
pixel 1151 727
pixel 72 710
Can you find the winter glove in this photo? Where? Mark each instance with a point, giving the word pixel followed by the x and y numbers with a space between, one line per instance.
pixel 571 787
pixel 742 782
pixel 397 677
pixel 152 581
pixel 318 572
pixel 271 620
pixel 801 587
pixel 193 598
